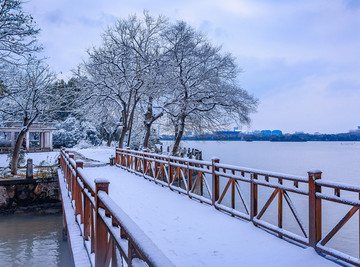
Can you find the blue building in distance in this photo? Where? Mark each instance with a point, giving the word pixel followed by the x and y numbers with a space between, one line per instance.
pixel 276 132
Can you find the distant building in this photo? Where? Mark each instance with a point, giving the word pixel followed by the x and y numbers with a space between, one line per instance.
pixel 37 138
pixel 223 135
pixel 276 132
pixel 265 132
pixel 188 133
pixel 357 130
pixel 236 129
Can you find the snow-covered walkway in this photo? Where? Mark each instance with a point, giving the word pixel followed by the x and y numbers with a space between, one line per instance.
pixel 195 234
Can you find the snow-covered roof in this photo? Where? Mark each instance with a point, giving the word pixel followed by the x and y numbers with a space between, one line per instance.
pixel 14 126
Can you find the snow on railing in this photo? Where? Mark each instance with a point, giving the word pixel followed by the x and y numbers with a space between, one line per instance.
pixel 194 177
pixel 110 236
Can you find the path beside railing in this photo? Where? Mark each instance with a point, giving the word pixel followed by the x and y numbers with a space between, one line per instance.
pixel 212 182
pixel 133 221
pixel 108 234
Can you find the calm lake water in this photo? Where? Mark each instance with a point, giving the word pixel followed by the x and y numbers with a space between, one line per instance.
pixel 33 240
pixel 339 162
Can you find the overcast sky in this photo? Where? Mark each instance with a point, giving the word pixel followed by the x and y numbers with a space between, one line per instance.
pixel 300 58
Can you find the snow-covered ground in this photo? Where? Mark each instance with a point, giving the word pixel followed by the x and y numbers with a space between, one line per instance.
pixel 49 158
pixel 195 234
pixel 101 154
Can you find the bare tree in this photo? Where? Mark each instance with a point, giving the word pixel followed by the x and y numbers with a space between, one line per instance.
pixel 153 102
pixel 30 97
pixel 164 70
pixel 18 32
pixel 203 83
pixel 104 115
pixel 118 69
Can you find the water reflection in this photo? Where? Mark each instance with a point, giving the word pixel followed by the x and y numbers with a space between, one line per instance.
pixel 33 240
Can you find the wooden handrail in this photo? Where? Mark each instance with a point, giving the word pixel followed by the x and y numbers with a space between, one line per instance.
pixel 189 176
pixel 106 233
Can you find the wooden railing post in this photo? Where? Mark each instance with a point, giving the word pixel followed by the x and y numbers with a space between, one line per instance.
pixel 100 228
pixel 77 189
pixel 123 158
pixel 189 179
pixel 215 180
pixel 117 158
pixel 63 160
pixel 314 208
pixel 156 164
pixel 253 196
pixel 128 157
pixel 145 163
pixel 136 161
pixel 66 165
pixel 71 177
pixel 170 172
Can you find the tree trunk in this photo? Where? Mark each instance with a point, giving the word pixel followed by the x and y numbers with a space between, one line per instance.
pixel 24 129
pixel 122 137
pixel 15 156
pixel 109 139
pixel 147 123
pixel 102 132
pixel 147 135
pixel 178 136
pixel 129 136
pixel 131 119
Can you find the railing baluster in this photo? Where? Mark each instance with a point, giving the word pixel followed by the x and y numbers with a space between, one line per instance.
pixel 87 217
pixel 78 199
pixel 176 167
pixel 314 208
pixel 189 179
pixel 128 157
pixel 170 172
pixel 233 193
pixel 215 181
pixel 67 169
pixel 337 192
pixel 253 196
pixel 100 232
pixel 117 158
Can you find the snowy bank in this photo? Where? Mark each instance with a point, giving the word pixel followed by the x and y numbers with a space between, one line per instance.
pixel 101 154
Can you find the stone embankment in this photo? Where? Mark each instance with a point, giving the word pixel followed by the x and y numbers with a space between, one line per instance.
pixel 39 195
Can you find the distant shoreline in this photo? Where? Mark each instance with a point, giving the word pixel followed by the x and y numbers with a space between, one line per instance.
pixel 239 140
pixel 302 137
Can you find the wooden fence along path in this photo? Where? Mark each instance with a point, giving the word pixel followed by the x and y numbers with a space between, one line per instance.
pixel 192 177
pixel 109 235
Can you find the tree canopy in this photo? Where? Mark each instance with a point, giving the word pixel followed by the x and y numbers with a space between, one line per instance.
pixel 157 69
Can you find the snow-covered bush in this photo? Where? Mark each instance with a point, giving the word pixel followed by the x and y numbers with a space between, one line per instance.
pixel 71 131
pixel 67 133
pixel 90 133
pixel 4 142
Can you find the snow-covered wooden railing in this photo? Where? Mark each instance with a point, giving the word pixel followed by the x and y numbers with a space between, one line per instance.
pixel 109 235
pixel 220 185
